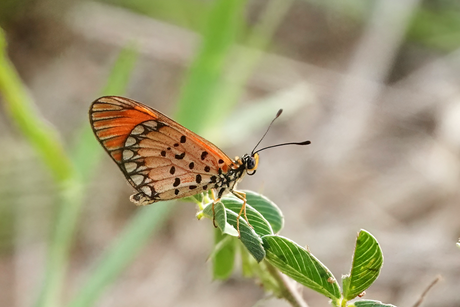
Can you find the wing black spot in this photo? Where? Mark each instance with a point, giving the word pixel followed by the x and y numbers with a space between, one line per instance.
pixel 176 145
pixel 191 165
pixel 172 170
pixel 180 157
pixel 176 182
pixel 205 187
pixel 213 179
pixel 198 178
pixel 169 148
pixel 207 168
pixel 203 155
pixel 221 161
pixel 176 191
pixel 183 139
pixel 192 187
pixel 163 153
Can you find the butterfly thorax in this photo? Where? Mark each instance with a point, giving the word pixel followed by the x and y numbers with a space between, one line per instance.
pixel 227 181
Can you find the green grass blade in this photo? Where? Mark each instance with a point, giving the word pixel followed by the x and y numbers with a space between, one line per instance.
pixel 120 74
pixel 366 266
pixel 122 252
pixel 44 139
pixel 205 74
pixel 72 199
pixel 87 151
pixel 246 60
pixel 20 108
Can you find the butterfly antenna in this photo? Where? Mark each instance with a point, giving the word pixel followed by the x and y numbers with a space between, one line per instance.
pixel 283 144
pixel 277 145
pixel 277 115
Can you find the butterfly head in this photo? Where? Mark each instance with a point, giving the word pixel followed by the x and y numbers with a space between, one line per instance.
pixel 250 163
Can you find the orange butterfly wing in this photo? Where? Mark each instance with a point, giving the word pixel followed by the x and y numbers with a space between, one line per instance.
pixel 160 158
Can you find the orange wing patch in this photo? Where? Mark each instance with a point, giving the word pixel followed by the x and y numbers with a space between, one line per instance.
pixel 113 119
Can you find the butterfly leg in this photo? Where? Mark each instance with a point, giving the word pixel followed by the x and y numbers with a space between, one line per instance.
pixel 214 201
pixel 242 196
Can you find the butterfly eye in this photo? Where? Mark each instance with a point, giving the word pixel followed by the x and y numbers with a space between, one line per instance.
pixel 251 163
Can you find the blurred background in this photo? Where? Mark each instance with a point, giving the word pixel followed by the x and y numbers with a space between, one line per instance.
pixel 375 85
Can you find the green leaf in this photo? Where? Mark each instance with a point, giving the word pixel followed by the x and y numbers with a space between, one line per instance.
pixel 267 208
pixel 224 256
pixel 299 264
pixel 261 225
pixel 221 220
pixel 248 237
pixel 367 262
pixel 370 303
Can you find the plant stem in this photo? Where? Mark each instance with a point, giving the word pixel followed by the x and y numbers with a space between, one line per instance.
pixel 286 287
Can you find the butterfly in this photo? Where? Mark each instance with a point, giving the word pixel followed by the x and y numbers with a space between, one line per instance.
pixel 163 160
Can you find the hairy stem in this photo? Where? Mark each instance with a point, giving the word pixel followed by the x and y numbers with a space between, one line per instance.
pixel 287 288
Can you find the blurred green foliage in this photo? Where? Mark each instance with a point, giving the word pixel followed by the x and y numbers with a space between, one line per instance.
pixel 223 24
pixel 437 27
